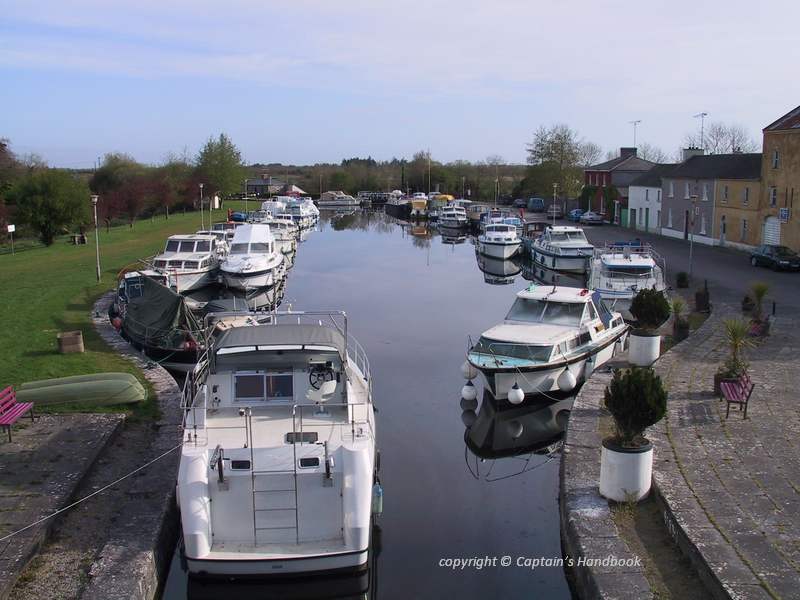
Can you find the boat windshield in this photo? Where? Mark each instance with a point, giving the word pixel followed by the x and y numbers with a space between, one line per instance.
pixel 239 248
pixel 523 351
pixel 203 246
pixel 259 247
pixel 187 247
pixel 539 311
pixel 172 246
pixel 568 236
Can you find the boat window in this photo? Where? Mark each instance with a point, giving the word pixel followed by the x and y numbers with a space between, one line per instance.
pixel 203 246
pixel 309 462
pixel 248 387
pixel 187 247
pixel 259 247
pixel 172 246
pixel 190 264
pixel 175 264
pixel 577 236
pixel 161 264
pixel 522 351
pixel 240 465
pixel 538 311
pixel 239 248
pixel 305 437
pixel 591 313
pixel 558 236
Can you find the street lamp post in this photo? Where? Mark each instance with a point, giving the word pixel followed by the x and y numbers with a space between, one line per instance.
pixel 691 233
pixel 202 219
pixel 555 200
pixel 95 198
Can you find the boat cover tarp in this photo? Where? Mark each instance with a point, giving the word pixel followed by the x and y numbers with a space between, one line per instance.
pixel 289 335
pixel 159 317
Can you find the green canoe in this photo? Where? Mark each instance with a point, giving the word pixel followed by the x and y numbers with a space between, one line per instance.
pixel 30 385
pixel 99 392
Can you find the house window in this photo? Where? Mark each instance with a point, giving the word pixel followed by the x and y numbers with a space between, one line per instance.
pixel 647 195
pixel 641 217
pixel 776 159
pixel 671 189
pixel 658 218
pixel 746 196
pixel 744 230
pixel 687 191
pixel 773 196
pixel 669 218
pixel 703 224
pixel 705 191
pixel 725 193
pixel 658 195
pixel 722 226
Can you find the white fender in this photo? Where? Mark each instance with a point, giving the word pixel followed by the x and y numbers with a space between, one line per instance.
pixel 195 505
pixel 356 496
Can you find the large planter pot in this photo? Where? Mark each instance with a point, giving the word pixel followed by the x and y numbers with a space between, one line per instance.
pixel 643 349
pixel 625 473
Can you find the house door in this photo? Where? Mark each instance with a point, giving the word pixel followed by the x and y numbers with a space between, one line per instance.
pixel 686 225
pixel 632 217
pixel 647 219
pixel 772 231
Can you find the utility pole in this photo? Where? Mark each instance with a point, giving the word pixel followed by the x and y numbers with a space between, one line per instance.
pixel 634 123
pixel 95 198
pixel 202 220
pixel 429 172
pixel 702 116
pixel 555 199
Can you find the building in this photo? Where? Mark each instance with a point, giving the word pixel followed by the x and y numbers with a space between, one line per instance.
pixel 608 183
pixel 264 185
pixel 694 201
pixel 644 199
pixel 780 175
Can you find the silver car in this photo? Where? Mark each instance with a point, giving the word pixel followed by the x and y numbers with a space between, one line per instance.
pixel 591 218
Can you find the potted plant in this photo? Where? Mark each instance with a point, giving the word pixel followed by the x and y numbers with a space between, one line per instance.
pixel 759 324
pixel 680 326
pixel 682 279
pixel 736 332
pixel 636 399
pixel 651 309
pixel 702 299
pixel 747 304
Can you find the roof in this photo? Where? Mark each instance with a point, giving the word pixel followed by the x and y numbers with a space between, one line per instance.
pixel 555 293
pixel 790 120
pixel 652 178
pixel 252 232
pixel 284 335
pixel 719 166
pixel 627 163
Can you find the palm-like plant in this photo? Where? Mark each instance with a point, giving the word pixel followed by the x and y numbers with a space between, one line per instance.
pixel 760 290
pixel 736 334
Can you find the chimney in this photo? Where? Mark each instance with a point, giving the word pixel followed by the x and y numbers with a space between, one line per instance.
pixel 692 151
pixel 627 152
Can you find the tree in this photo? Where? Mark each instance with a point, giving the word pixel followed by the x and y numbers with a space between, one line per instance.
pixel 219 163
pixel 722 138
pixel 50 201
pixel 561 146
pixel 652 153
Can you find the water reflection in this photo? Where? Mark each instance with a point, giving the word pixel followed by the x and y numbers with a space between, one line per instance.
pixel 525 437
pixel 540 274
pixel 497 271
pixel 451 235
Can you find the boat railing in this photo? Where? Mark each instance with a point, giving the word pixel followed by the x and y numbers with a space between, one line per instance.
pixel 586 252
pixel 625 277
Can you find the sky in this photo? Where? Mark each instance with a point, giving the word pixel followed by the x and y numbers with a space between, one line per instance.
pixel 303 81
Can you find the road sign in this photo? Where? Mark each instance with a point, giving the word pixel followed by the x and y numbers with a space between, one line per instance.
pixel 12 228
pixel 783 215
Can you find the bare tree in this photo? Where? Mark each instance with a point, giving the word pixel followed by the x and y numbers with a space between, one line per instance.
pixel 652 153
pixel 588 154
pixel 722 138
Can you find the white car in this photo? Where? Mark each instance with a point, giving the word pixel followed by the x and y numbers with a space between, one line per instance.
pixel 591 218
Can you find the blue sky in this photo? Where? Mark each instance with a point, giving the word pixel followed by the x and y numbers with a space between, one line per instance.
pixel 312 81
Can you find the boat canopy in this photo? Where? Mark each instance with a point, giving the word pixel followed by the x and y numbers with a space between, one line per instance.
pixel 283 335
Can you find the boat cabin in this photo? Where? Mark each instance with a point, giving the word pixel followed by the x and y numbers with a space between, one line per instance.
pixel 254 238
pixel 188 253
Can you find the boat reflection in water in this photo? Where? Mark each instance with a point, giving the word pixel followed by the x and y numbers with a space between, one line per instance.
pixel 496 271
pixel 356 586
pixel 525 434
pixel 452 235
pixel 536 272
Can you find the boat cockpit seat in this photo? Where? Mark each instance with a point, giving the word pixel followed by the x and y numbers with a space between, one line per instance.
pixel 323 394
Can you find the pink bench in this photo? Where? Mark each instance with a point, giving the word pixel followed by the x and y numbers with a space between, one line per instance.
pixel 737 392
pixel 11 410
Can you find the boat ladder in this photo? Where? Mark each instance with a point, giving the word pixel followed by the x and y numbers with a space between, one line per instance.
pixel 275 518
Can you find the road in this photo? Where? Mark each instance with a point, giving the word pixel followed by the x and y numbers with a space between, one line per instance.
pixel 728 271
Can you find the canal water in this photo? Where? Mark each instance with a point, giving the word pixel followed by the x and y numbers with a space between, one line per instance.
pixel 413 296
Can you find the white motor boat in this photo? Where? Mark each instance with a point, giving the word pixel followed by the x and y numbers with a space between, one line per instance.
pixel 278 471
pixel 453 216
pixel 274 206
pixel 253 260
pixel 283 229
pixel 189 261
pixel 499 240
pixel 562 248
pixel 620 270
pixel 303 211
pixel 338 199
pixel 551 340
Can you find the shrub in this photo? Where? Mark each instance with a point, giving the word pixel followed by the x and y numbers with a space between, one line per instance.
pixel 650 308
pixel 736 336
pixel 636 399
pixel 682 279
pixel 759 290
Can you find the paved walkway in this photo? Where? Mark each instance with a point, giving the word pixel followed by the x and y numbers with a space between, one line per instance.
pixel 731 488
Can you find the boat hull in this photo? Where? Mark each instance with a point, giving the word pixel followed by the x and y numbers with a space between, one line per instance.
pixel 344 562
pixel 250 281
pixel 569 264
pixel 495 250
pixel 453 223
pixel 194 280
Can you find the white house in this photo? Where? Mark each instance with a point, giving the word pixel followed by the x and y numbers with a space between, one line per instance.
pixel 644 199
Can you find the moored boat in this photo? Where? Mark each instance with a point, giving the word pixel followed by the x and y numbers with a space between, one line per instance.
pixel 499 240
pixel 253 260
pixel 621 269
pixel 562 248
pixel 189 261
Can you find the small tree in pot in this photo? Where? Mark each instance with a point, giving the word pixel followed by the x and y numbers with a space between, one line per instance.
pixel 680 325
pixel 636 399
pixel 759 291
pixel 651 309
pixel 736 336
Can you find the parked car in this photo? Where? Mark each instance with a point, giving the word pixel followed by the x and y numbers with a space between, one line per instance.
pixel 575 214
pixel 520 203
pixel 775 257
pixel 536 205
pixel 555 212
pixel 591 218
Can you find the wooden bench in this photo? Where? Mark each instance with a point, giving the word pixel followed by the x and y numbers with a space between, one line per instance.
pixel 738 392
pixel 11 410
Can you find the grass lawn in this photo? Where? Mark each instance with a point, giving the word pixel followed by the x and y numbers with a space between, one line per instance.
pixel 48 290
